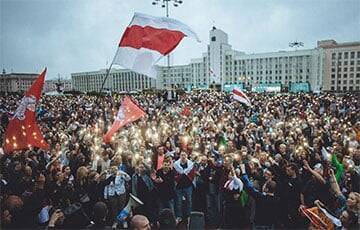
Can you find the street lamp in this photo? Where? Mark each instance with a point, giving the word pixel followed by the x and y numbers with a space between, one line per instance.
pixel 165 4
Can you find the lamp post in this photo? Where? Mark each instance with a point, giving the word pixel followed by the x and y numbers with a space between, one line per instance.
pixel 165 4
pixel 296 45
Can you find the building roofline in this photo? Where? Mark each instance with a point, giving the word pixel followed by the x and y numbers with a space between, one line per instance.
pixel 280 52
pixel 330 43
pixel 22 74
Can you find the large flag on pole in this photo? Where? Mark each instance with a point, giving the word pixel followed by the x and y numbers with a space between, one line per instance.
pixel 128 112
pixel 241 96
pixel 22 131
pixel 147 39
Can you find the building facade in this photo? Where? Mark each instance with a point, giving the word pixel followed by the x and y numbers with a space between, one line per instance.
pixel 52 85
pixel 341 66
pixel 322 68
pixel 16 82
pixel 277 68
pixel 179 76
pixel 119 80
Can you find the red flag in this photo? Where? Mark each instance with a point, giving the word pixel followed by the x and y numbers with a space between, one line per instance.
pixel 128 112
pixel 317 218
pixel 22 131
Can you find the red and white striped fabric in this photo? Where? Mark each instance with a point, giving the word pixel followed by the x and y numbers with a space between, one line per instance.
pixel 241 96
pixel 147 39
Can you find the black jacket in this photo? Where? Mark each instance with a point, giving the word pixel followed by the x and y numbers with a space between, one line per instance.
pixel 266 205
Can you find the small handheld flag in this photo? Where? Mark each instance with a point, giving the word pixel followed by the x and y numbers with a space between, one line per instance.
pixel 241 96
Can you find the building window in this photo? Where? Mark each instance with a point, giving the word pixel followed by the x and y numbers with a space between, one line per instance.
pixel 345 82
pixel 352 54
pixel 332 75
pixel 358 54
pixel 352 62
pixel 332 88
pixel 346 55
pixel 333 56
pixel 213 38
pixel 333 82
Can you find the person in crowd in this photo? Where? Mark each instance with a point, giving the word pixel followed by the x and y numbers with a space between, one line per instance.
pixel 185 173
pixel 140 222
pixel 266 202
pixel 165 186
pixel 166 219
pixel 233 210
pixel 143 188
pixel 115 192
pixel 56 220
pixel 99 216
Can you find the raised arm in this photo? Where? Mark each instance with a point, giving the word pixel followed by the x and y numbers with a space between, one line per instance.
pixel 248 185
pixel 334 184
pixel 339 167
pixel 314 173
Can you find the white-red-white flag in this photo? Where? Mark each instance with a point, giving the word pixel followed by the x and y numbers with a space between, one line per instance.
pixel 241 96
pixel 128 112
pixel 147 39
pixel 22 132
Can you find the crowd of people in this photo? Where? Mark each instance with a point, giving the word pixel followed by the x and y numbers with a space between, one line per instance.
pixel 257 166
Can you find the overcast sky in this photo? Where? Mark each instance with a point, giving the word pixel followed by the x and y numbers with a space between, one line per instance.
pixel 72 36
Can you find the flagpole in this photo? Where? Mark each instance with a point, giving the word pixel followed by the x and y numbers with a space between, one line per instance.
pixel 107 74
pixel 165 4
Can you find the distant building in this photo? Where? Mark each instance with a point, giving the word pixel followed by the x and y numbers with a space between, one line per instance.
pixel 281 68
pixel 118 80
pixel 16 82
pixel 341 66
pixel 52 85
pixel 179 76
pixel 330 66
